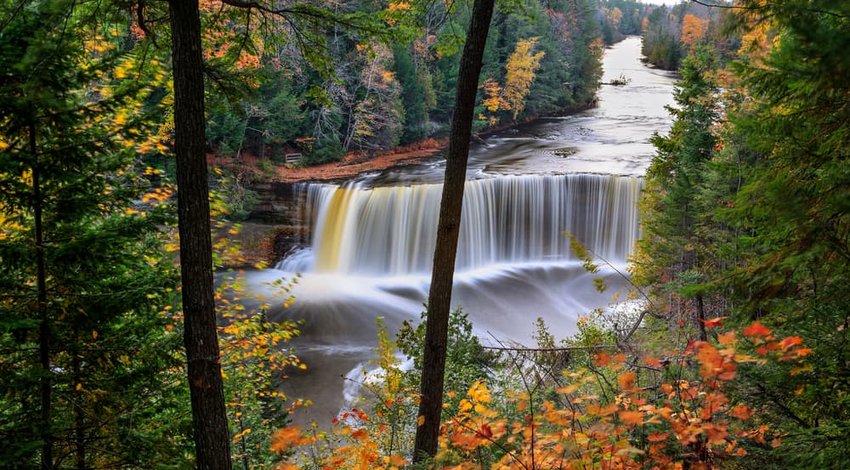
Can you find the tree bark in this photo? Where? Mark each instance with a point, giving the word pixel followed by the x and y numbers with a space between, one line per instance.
pixel 43 318
pixel 212 440
pixel 79 418
pixel 448 229
pixel 703 334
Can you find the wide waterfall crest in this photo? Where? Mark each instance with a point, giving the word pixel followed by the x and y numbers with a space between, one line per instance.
pixel 388 231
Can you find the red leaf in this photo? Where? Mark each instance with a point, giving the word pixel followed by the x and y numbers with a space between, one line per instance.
pixel 790 342
pixel 714 322
pixel 485 431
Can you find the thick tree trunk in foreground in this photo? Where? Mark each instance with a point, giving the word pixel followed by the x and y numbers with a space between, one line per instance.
pixel 448 228
pixel 212 440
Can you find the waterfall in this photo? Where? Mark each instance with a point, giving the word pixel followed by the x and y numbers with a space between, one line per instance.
pixel 389 231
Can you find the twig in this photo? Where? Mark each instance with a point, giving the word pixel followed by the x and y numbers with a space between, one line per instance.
pixel 765 6
pixel 563 349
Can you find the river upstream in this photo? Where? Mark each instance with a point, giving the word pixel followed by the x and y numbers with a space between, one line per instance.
pixel 372 238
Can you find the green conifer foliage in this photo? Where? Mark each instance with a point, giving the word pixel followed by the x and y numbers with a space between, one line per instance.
pixel 90 369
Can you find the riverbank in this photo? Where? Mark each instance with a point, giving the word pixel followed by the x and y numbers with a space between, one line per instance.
pixel 356 163
pixel 351 165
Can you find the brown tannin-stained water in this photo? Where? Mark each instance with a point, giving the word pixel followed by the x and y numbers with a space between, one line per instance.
pixel 372 238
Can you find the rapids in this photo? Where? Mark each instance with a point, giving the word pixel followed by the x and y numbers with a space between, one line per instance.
pixel 373 237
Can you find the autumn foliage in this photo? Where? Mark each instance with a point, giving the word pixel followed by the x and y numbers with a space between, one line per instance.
pixel 693 29
pixel 520 70
pixel 619 410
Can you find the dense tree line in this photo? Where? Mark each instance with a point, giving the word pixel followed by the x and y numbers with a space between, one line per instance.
pixel 91 374
pixel 91 310
pixel 541 58
pixel 746 216
pixel 620 18
pixel 670 32
pixel 746 227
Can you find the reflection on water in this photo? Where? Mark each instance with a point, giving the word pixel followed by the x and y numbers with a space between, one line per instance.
pixel 373 238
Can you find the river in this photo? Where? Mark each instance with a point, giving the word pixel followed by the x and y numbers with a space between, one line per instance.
pixel 373 237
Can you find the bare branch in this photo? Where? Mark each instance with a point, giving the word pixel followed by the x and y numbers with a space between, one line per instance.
pixel 600 347
pixel 764 7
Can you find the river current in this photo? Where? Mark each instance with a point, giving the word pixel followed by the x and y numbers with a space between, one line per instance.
pixel 372 238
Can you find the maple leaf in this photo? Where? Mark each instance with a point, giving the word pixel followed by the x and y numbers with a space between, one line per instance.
pixel 741 412
pixel 756 329
pixel 631 417
pixel 485 431
pixel 790 342
pixel 657 437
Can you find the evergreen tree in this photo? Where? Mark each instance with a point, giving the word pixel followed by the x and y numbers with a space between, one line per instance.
pixel 768 192
pixel 412 96
pixel 672 226
pixel 793 218
pixel 85 286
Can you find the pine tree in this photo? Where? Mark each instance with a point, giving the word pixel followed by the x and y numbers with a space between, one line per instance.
pixel 85 286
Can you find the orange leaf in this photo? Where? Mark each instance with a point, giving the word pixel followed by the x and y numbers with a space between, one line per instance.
pixel 626 380
pixel 802 352
pixel 741 412
pixel 790 342
pixel 657 437
pixel 756 329
pixel 716 434
pixel 286 438
pixel 620 358
pixel 631 417
pixel 714 322
pixel 485 431
pixel 602 359
pixel 652 362
pixel 726 338
pixel 710 360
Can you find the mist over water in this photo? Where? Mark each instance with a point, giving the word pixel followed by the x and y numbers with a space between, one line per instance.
pixel 373 238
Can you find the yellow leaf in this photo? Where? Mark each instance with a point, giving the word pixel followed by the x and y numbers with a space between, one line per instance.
pixel 568 389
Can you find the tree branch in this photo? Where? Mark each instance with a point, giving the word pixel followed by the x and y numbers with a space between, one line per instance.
pixel 764 7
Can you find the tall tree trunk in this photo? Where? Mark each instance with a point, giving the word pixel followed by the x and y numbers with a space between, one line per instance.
pixel 212 440
pixel 79 418
pixel 703 334
pixel 44 320
pixel 448 228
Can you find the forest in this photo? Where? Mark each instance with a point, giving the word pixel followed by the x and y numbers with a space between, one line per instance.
pixel 136 138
